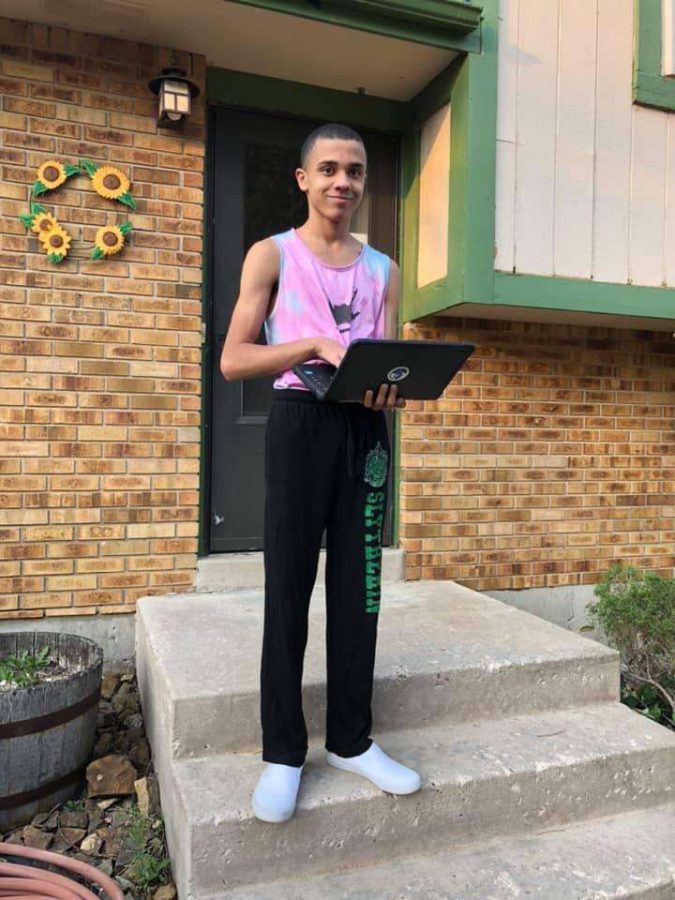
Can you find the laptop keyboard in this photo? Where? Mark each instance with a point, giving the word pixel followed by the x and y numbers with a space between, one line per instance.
pixel 319 376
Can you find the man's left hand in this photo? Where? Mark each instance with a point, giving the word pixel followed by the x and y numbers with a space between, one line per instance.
pixel 387 398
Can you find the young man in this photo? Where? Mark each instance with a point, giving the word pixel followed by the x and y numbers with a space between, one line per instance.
pixel 316 289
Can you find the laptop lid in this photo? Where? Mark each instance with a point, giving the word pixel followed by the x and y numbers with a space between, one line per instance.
pixel 420 369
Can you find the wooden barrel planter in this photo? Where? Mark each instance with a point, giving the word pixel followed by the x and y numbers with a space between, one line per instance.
pixel 47 730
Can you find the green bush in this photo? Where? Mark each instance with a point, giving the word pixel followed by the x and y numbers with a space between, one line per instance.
pixel 636 612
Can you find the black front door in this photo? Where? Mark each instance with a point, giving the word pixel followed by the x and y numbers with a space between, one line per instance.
pixel 255 195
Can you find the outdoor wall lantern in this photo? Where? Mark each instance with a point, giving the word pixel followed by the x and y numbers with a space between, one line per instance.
pixel 175 93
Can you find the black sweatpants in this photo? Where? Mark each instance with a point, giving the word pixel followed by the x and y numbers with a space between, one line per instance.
pixel 326 466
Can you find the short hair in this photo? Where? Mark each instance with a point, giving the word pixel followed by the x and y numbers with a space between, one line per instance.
pixel 331 131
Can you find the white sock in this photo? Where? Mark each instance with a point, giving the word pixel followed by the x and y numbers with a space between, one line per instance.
pixel 382 770
pixel 276 793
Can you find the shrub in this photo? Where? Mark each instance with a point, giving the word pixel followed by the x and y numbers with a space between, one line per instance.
pixel 636 612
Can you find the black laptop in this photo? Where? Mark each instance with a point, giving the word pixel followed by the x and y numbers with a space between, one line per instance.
pixel 420 369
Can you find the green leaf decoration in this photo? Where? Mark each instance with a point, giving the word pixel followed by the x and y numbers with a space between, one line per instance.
pixel 37 208
pixel 39 188
pixel 128 200
pixel 97 253
pixel 126 227
pixel 55 258
pixel 89 166
pixel 72 170
pixel 27 219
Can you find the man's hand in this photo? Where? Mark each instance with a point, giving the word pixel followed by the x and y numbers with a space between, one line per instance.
pixel 387 398
pixel 329 350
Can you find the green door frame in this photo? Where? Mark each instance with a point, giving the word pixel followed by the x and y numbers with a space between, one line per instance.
pixel 259 93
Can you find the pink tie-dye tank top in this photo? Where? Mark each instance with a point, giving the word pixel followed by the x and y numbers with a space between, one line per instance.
pixel 314 298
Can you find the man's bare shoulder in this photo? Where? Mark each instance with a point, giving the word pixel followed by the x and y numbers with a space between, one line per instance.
pixel 263 258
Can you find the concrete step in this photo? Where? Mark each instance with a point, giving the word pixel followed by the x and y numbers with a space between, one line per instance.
pixel 234 571
pixel 445 654
pixel 481 780
pixel 631 855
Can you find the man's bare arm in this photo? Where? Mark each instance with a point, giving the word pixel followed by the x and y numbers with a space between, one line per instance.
pixel 241 357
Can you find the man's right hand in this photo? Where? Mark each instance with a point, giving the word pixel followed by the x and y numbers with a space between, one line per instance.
pixel 330 350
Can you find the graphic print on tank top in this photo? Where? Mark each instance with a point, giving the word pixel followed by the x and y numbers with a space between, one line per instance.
pixel 314 298
pixel 343 313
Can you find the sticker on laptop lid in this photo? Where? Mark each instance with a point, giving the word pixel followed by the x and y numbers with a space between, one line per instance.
pixel 398 374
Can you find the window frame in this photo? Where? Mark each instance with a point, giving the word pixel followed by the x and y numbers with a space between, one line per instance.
pixel 650 86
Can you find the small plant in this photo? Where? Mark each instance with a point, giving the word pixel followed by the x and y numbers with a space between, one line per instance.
pixel 23 670
pixel 145 840
pixel 636 611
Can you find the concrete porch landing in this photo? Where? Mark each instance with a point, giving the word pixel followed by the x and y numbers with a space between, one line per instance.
pixel 513 723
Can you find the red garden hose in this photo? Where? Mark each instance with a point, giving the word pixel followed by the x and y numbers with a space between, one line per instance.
pixel 26 882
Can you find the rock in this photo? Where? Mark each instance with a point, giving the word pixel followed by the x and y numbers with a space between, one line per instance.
pixel 36 837
pixel 91 844
pixel 72 835
pixel 166 892
pixel 74 819
pixel 143 796
pixel 103 744
pixel 128 674
pixel 135 721
pixel 106 866
pixel 113 842
pixel 147 794
pixel 123 700
pixel 110 775
pixel 95 815
pixel 40 818
pixel 125 855
pixel 119 818
pixel 106 804
pixel 16 837
pixel 66 837
pixel 140 753
pixel 109 684
pixel 48 820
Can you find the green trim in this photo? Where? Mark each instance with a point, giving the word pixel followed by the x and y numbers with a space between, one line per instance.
pixel 478 161
pixel 203 548
pixel 471 87
pixel 409 220
pixel 226 87
pixel 436 94
pixel 450 24
pixel 650 87
pixel 578 295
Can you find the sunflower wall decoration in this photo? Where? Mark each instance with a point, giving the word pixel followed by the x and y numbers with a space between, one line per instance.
pixel 107 181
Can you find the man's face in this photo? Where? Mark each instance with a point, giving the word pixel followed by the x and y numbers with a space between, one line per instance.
pixel 334 177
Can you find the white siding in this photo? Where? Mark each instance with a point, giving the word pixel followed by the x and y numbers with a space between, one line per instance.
pixel 585 179
pixel 535 136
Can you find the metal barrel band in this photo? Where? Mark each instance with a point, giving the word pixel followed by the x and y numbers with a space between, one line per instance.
pixel 13 801
pixel 50 720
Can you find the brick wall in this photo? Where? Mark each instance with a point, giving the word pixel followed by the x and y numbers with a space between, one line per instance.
pixel 550 456
pixel 100 375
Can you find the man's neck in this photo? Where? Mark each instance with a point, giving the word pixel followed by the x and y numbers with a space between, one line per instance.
pixel 320 230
